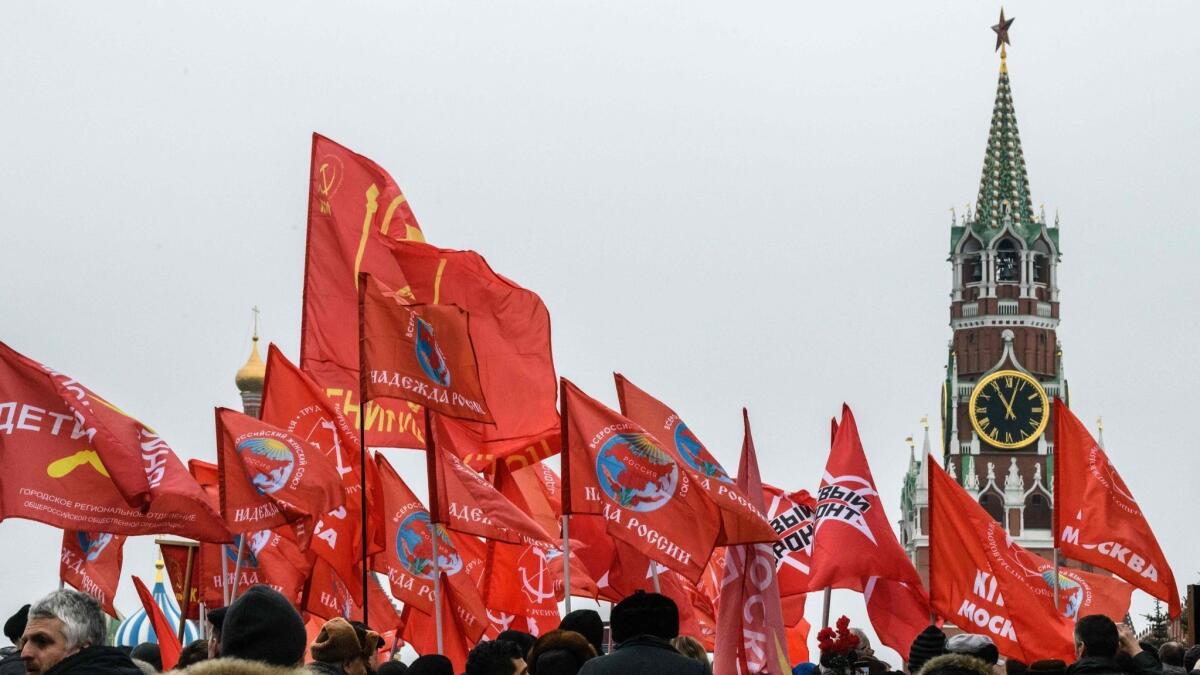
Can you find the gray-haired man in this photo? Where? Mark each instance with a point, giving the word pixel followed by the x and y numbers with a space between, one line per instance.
pixel 65 634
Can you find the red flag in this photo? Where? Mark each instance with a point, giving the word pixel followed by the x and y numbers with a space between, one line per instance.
pixel 74 461
pixel 618 470
pixel 791 517
pixel 91 562
pixel 420 353
pixel 510 331
pixel 408 562
pixel 269 558
pixel 294 403
pixel 854 546
pixel 270 477
pixel 750 631
pixel 464 501
pixel 741 522
pixel 982 581
pixel 328 596
pixel 175 559
pixel 354 207
pixel 420 632
pixel 1096 517
pixel 1082 593
pixel 168 642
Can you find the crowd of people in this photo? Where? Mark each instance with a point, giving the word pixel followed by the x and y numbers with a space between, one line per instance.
pixel 260 633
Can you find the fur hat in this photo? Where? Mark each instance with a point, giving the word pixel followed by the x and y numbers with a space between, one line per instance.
pixel 930 643
pixel 1047 667
pixel 336 642
pixel 955 664
pixel 980 646
pixel 262 625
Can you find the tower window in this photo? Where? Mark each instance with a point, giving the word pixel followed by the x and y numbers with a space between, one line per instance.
pixel 1004 209
pixel 1037 512
pixel 991 502
pixel 1006 261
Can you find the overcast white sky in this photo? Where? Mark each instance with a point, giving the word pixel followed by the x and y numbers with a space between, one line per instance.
pixel 732 203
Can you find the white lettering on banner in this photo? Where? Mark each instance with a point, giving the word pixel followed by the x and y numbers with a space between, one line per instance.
pixel 591 494
pixel 608 431
pixel 154 453
pixel 986 588
pixel 255 513
pixel 1070 535
pixel 86 583
pixel 425 390
pixel 1127 557
pixel 29 415
pixel 659 541
pixel 7 410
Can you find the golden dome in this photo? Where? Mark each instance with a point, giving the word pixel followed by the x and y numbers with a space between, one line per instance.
pixel 250 376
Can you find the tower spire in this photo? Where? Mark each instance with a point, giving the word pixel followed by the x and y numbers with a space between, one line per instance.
pixel 1004 187
pixel 250 377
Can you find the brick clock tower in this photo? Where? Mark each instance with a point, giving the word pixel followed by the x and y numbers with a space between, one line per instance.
pixel 1004 361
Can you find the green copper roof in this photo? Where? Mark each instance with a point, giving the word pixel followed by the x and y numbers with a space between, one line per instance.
pixel 1003 197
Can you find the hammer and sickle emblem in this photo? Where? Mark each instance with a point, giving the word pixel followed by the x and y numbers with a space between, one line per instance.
pixel 61 467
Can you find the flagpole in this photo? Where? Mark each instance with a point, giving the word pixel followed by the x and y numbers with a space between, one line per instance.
pixel 654 576
pixel 825 608
pixel 434 514
pixel 187 591
pixel 362 444
pixel 1054 510
pixel 224 576
pixel 237 566
pixel 565 468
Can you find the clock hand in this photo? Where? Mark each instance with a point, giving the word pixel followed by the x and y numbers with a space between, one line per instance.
pixel 1008 412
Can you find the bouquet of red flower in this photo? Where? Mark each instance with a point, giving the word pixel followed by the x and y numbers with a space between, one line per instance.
pixel 837 647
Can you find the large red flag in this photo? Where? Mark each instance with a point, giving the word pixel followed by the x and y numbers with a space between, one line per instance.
pixel 270 477
pixel 175 560
pixel 854 546
pixel 354 207
pixel 464 501
pixel 1096 518
pixel 91 562
pixel 408 561
pixel 169 647
pixel 982 581
pixel 328 597
pixel 269 558
pixel 420 353
pixel 460 631
pixel 294 403
pixel 74 461
pixel 510 331
pixel 616 469
pixel 750 630
pixel 741 521
pixel 792 519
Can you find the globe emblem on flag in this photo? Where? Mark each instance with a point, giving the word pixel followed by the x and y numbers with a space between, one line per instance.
pixel 93 544
pixel 249 559
pixel 269 463
pixel 1070 593
pixel 429 354
pixel 414 547
pixel 689 448
pixel 635 473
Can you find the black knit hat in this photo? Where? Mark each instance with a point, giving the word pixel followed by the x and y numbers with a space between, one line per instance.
pixel 586 622
pixel 216 617
pixel 930 643
pixel 431 664
pixel 1047 667
pixel 262 625
pixel 14 628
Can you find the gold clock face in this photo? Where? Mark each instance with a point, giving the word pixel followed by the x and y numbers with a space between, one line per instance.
pixel 1009 409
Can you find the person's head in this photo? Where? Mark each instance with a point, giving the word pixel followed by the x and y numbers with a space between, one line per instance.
pixel 806 668
pixel 1190 657
pixel 16 624
pixel 392 668
pixel 864 643
pixel 955 664
pixel 980 646
pixel 586 622
pixel 559 652
pixel 215 619
pixel 691 648
pixel 148 652
pixel 523 641
pixel 1171 654
pixel 262 625
pixel 339 643
pixel 645 614
pixel 60 625
pixel 1096 635
pixel 928 644
pixel 431 664
pixel 370 641
pixel 495 657
pixel 194 652
pixel 1015 667
pixel 1047 667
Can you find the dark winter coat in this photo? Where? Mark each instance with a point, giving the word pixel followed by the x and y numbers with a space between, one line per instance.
pixel 10 662
pixel 96 661
pixel 1145 663
pixel 643 655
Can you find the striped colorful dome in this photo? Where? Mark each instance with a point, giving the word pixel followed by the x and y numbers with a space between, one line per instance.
pixel 137 627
